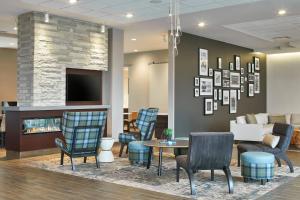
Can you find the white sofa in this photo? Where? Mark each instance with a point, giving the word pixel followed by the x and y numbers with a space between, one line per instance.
pixel 255 132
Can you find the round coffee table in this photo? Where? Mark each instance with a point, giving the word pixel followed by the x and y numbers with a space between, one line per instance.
pixel 106 154
pixel 161 144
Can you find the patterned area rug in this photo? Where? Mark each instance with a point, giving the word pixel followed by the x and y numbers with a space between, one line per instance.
pixel 121 172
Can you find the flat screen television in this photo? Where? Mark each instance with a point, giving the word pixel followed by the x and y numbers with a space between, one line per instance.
pixel 85 87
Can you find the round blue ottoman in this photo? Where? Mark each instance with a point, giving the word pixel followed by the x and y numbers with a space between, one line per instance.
pixel 257 166
pixel 138 153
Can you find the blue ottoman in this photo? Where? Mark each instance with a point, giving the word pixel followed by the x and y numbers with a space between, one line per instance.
pixel 257 166
pixel 138 153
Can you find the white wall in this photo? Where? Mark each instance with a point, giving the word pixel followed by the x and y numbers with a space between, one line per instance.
pixel 125 87
pixel 283 83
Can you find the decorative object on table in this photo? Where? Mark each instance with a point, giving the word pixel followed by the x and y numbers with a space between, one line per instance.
pixel 242 71
pixel 239 94
pixel 168 134
pixel 285 132
pixel 235 80
pixel 208 106
pixel 215 94
pixel 237 62
pixel 217 78
pixel 226 73
pixel 256 83
pixel 196 92
pixel 231 66
pixel 210 72
pixel 242 79
pixel 256 63
pixel 219 62
pixel 206 87
pixel 203 155
pixel 249 67
pixel 196 81
pixel 220 94
pixel 215 105
pixel 106 154
pixel 226 97
pixel 250 90
pixel 257 166
pixel 80 139
pixel 203 62
pixel 145 122
pixel 250 77
pixel 226 83
pixel 253 68
pixel 242 89
pixel 233 102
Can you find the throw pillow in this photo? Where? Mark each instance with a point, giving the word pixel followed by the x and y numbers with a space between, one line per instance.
pixel 271 140
pixel 295 119
pixel 241 120
pixel 277 119
pixel 251 119
pixel 262 118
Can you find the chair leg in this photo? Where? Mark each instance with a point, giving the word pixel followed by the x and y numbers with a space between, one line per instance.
pixel 278 161
pixel 97 162
pixel 62 158
pixel 239 158
pixel 212 175
pixel 121 149
pixel 192 184
pixel 262 181
pixel 72 163
pixel 126 149
pixel 84 159
pixel 287 160
pixel 149 157
pixel 229 179
pixel 177 172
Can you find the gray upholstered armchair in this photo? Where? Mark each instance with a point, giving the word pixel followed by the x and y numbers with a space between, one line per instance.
pixel 207 151
pixel 285 131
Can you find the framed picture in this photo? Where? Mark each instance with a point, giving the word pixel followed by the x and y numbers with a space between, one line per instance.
pixel 250 77
pixel 226 73
pixel 225 97
pixel 256 63
pixel 210 72
pixel 242 89
pixel 203 62
pixel 226 83
pixel 219 62
pixel 208 106
pixel 249 67
pixel 218 78
pixel 239 94
pixel 215 105
pixel 237 62
pixel 233 102
pixel 231 66
pixel 206 87
pixel 242 71
pixel 256 83
pixel 235 80
pixel 220 94
pixel 196 82
pixel 196 92
pixel 252 68
pixel 215 94
pixel 242 79
pixel 250 90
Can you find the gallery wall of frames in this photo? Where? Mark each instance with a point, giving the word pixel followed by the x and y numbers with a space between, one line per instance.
pixel 215 82
pixel 226 83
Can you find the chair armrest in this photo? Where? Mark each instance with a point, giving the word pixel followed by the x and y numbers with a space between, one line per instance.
pixel 247 132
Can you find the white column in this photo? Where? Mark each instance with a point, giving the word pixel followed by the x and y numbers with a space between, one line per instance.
pixel 171 88
pixel 113 83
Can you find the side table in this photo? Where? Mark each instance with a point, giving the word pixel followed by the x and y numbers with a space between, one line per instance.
pixel 106 154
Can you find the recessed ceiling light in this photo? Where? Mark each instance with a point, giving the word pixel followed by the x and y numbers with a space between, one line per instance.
pixel 135 50
pixel 133 39
pixel 15 28
pixel 73 1
pixel 201 24
pixel 102 28
pixel 46 18
pixel 129 15
pixel 282 12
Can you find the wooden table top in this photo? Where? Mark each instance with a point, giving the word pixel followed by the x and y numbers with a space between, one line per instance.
pixel 157 143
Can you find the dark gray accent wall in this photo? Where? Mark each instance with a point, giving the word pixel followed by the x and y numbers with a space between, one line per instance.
pixel 189 110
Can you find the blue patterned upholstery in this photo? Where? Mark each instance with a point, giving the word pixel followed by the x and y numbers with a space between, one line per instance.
pixel 138 153
pixel 127 137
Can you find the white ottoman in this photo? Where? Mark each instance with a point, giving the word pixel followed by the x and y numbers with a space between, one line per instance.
pixel 106 154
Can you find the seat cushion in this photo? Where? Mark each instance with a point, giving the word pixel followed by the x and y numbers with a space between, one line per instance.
pixel 257 157
pixel 182 161
pixel 277 119
pixel 138 153
pixel 125 138
pixel 244 147
pixel 295 119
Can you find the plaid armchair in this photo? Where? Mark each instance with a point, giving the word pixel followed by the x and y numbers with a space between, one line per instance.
pixel 82 133
pixel 145 122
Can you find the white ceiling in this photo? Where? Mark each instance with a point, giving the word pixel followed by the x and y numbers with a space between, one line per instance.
pixel 248 23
